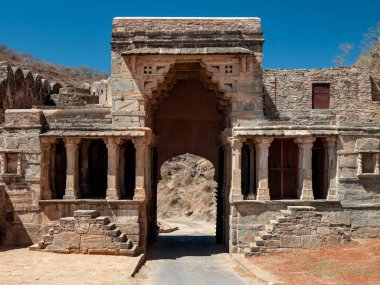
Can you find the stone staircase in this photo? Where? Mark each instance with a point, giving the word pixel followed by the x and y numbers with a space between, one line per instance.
pixel 86 232
pixel 298 227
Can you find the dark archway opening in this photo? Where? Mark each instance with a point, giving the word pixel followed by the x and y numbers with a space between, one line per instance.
pixel 189 119
pixel 128 177
pixel 59 171
pixel 97 169
pixel 318 168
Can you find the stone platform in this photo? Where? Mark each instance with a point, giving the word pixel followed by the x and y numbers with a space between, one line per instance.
pixel 86 232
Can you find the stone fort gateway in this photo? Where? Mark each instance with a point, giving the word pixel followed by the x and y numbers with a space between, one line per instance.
pixel 296 152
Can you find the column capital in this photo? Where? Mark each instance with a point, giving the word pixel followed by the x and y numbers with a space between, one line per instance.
pixel 113 141
pixel 263 141
pixel 329 141
pixel 139 142
pixel 72 141
pixel 305 141
pixel 235 142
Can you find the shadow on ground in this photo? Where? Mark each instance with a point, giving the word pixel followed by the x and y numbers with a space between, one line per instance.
pixel 176 246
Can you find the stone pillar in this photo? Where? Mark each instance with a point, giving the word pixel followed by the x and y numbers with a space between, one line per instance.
pixel 305 175
pixel 140 147
pixel 19 163
pixel 235 192
pixel 377 163
pixel 72 171
pixel 360 164
pixel 45 168
pixel 330 143
pixel 84 168
pixel 4 163
pixel 262 154
pixel 113 181
pixel 252 172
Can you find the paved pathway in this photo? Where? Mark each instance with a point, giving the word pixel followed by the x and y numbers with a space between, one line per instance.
pixel 22 266
pixel 190 256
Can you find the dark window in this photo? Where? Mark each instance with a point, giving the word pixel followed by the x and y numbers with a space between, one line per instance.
pixel 321 95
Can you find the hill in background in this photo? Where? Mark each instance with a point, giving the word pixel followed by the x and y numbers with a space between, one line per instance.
pixel 52 72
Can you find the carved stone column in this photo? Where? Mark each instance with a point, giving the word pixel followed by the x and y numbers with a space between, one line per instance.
pixel 84 167
pixel 45 168
pixel 305 178
pixel 113 181
pixel 377 163
pixel 72 171
pixel 330 143
pixel 262 154
pixel 235 193
pixel 252 172
pixel 4 163
pixel 140 147
pixel 360 164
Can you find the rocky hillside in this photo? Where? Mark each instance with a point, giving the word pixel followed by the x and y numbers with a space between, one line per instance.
pixel 187 188
pixel 52 72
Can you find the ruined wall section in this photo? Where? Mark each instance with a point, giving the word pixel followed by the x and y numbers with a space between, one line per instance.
pixel 20 175
pixel 135 39
pixel 21 89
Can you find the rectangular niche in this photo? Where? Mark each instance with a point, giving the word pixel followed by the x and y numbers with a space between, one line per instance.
pixel 10 163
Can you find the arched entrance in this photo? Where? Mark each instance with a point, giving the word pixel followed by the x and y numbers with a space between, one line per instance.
pixel 188 117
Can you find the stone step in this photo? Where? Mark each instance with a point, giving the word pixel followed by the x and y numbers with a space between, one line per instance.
pixel 126 244
pixel 113 233
pixel 273 222
pixel 253 247
pixel 90 214
pixel 300 208
pixel 66 220
pixel 248 253
pixel 268 228
pixel 286 213
pixel 282 219
pixel 259 241
pixel 264 235
pixel 103 220
pixel 122 238
pixel 110 226
pixel 48 239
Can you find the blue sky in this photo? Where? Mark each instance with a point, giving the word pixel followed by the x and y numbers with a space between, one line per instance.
pixel 299 34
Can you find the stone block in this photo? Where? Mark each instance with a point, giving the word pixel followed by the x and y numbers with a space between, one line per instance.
pixel 290 241
pixel 92 241
pixel 66 240
pixel 334 239
pixel 323 230
pixel 311 241
pixel 337 218
pixel 91 214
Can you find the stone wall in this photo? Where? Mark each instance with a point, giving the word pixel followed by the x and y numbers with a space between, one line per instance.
pixel 74 96
pixel 2 213
pixel 274 226
pixel 20 174
pixel 288 97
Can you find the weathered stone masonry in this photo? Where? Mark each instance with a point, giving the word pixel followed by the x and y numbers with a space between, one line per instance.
pixel 303 139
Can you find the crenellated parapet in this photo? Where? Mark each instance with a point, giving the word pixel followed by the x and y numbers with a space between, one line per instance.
pixel 21 89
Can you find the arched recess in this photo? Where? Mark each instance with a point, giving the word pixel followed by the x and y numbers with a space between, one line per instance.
pixel 188 113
